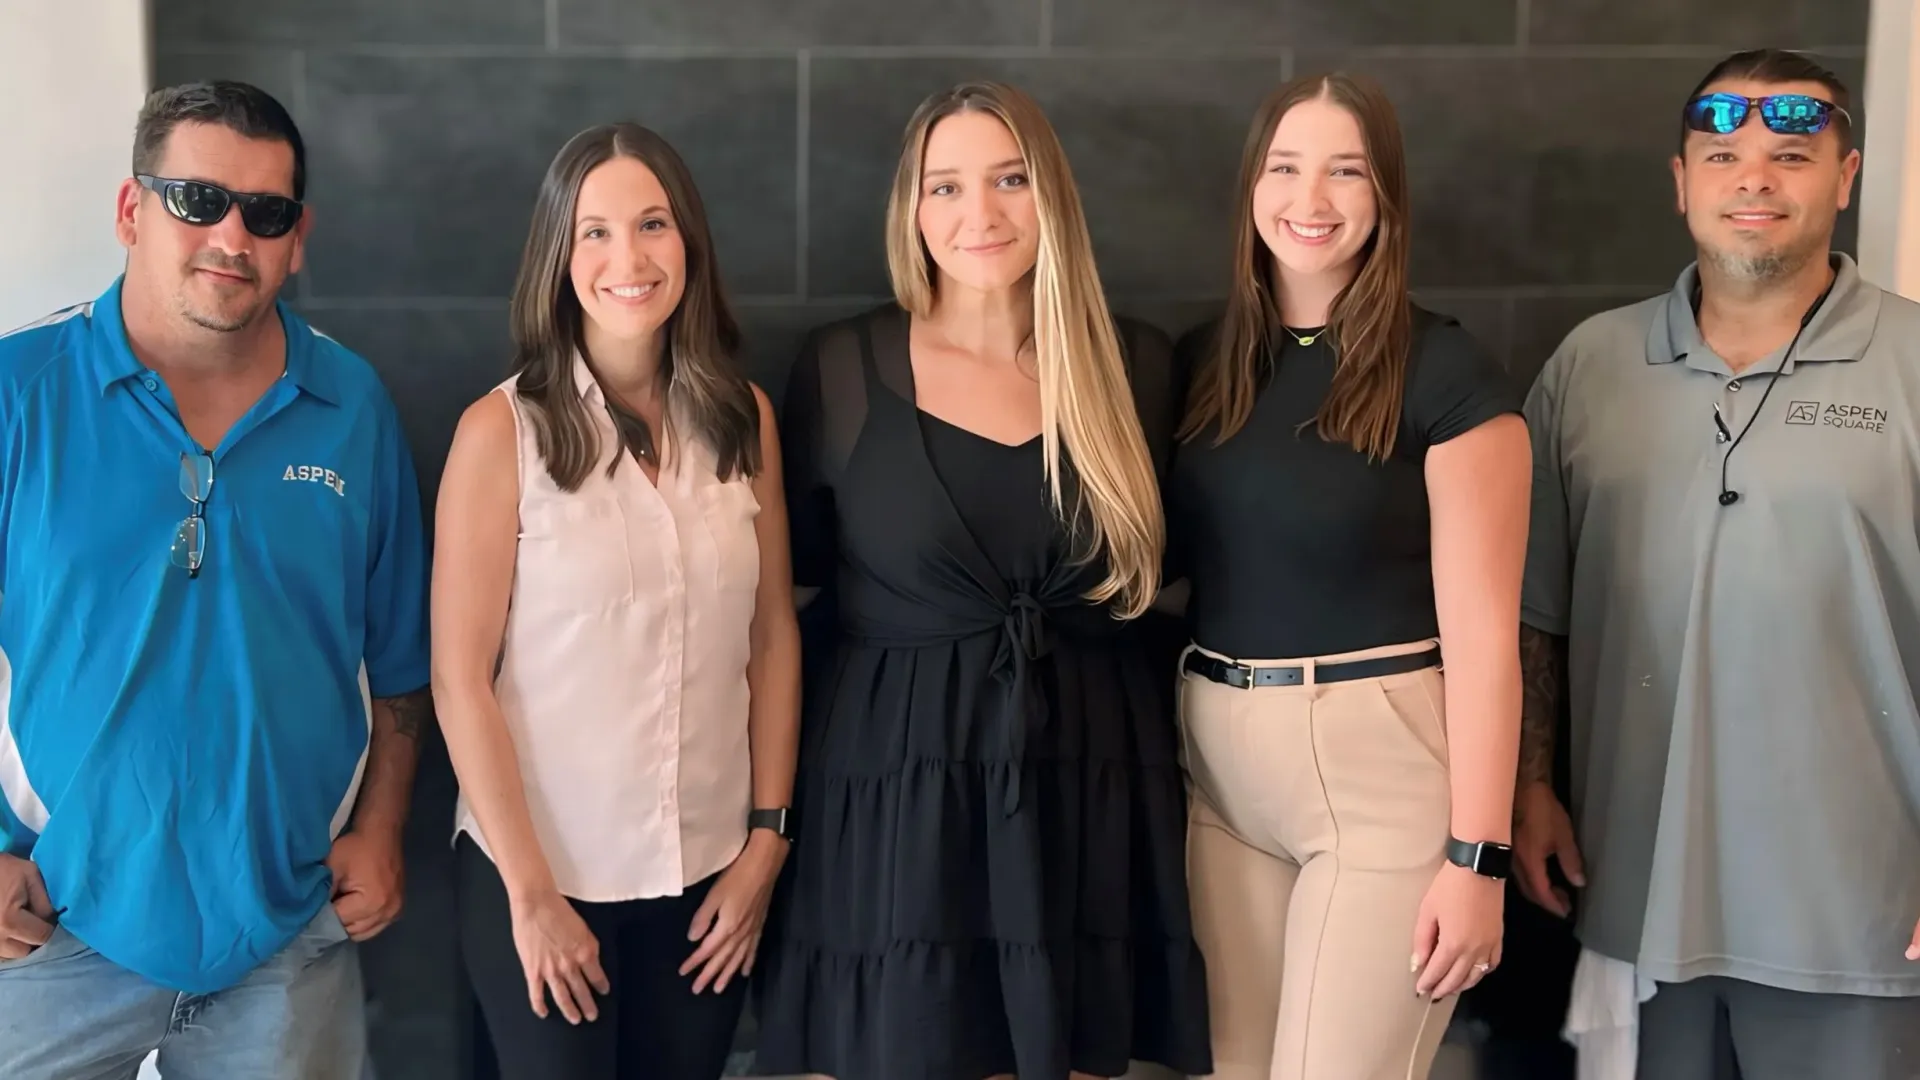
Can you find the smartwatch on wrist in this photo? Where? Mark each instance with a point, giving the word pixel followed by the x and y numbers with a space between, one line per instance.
pixel 775 820
pixel 1485 858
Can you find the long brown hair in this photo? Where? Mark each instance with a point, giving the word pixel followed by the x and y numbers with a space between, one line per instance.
pixel 1370 326
pixel 1087 409
pixel 548 328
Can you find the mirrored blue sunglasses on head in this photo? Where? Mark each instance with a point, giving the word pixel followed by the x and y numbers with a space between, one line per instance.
pixel 1784 114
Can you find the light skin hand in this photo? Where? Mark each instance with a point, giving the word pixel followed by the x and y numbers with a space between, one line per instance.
pixel 369 872
pixel 26 915
pixel 369 878
pixel 729 922
pixel 1541 831
pixel 1460 926
pixel 559 955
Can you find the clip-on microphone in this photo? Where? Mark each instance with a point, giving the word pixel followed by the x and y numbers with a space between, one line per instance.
pixel 1728 496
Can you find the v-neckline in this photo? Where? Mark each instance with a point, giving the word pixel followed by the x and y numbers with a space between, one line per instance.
pixel 593 397
pixel 652 479
pixel 909 387
pixel 969 433
pixel 661 450
pixel 889 347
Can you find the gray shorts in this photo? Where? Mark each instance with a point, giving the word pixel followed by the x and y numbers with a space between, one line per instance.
pixel 1727 1029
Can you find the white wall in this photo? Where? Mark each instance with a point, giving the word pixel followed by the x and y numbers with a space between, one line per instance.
pixel 1890 175
pixel 75 72
pixel 72 75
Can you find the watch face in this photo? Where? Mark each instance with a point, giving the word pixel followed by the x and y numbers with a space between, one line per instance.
pixel 1487 860
pixel 1492 861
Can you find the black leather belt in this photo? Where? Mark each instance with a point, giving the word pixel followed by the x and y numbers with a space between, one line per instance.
pixel 1245 676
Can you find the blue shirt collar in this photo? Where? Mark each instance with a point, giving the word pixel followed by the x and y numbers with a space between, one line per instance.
pixel 113 359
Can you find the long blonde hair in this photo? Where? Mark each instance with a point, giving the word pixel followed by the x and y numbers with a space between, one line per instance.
pixel 1086 402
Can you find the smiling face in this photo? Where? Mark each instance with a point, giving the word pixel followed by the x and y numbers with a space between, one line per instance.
pixel 629 261
pixel 1761 205
pixel 1314 205
pixel 977 213
pixel 217 277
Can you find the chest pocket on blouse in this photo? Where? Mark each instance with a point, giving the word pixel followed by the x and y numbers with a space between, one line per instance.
pixel 573 553
pixel 729 510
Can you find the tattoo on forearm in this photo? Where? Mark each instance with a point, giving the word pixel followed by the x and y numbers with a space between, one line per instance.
pixel 1542 673
pixel 411 712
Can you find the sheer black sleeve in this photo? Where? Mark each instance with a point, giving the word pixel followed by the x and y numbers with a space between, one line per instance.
pixel 810 511
pixel 1188 353
pixel 1148 354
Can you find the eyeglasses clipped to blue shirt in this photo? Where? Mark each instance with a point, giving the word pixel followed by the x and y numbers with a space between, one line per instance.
pixel 190 536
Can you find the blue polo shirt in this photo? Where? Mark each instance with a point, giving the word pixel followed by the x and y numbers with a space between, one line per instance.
pixel 177 754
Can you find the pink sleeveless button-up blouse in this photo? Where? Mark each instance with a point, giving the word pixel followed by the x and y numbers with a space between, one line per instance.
pixel 623 669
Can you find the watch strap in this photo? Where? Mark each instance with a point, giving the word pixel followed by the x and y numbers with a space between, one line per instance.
pixel 1485 858
pixel 775 820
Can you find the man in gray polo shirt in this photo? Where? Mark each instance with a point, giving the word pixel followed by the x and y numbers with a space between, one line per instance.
pixel 1724 578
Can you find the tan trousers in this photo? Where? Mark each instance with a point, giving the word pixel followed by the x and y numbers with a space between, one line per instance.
pixel 1319 819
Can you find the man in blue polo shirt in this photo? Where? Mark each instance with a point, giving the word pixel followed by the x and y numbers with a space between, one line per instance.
pixel 212 638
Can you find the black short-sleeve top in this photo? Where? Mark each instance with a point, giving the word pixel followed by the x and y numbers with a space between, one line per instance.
pixel 1296 546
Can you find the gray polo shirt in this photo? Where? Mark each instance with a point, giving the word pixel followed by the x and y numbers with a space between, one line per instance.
pixel 1746 747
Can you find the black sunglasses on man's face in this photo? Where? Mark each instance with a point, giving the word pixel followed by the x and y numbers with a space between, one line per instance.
pixel 197 202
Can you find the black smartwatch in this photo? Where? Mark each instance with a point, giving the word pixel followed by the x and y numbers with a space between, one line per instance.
pixel 1485 858
pixel 775 820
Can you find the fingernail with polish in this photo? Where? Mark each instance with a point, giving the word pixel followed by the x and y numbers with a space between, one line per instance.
pixel 1913 952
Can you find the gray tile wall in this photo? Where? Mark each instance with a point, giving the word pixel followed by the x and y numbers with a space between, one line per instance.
pixel 1537 135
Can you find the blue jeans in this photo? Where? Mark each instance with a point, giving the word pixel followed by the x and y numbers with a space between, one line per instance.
pixel 67 1013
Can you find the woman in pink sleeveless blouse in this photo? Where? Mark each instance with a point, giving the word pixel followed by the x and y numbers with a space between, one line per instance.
pixel 615 653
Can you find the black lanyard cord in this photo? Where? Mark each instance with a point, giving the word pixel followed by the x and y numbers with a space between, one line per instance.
pixel 1728 496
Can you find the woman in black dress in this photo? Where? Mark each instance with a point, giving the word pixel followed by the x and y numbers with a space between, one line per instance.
pixel 988 871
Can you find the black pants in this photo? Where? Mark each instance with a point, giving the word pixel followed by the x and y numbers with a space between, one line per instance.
pixel 652 1026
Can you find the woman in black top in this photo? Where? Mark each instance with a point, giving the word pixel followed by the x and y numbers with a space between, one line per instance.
pixel 1350 493
pixel 988 873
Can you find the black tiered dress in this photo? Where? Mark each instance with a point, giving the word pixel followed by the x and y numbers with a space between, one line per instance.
pixel 989 870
